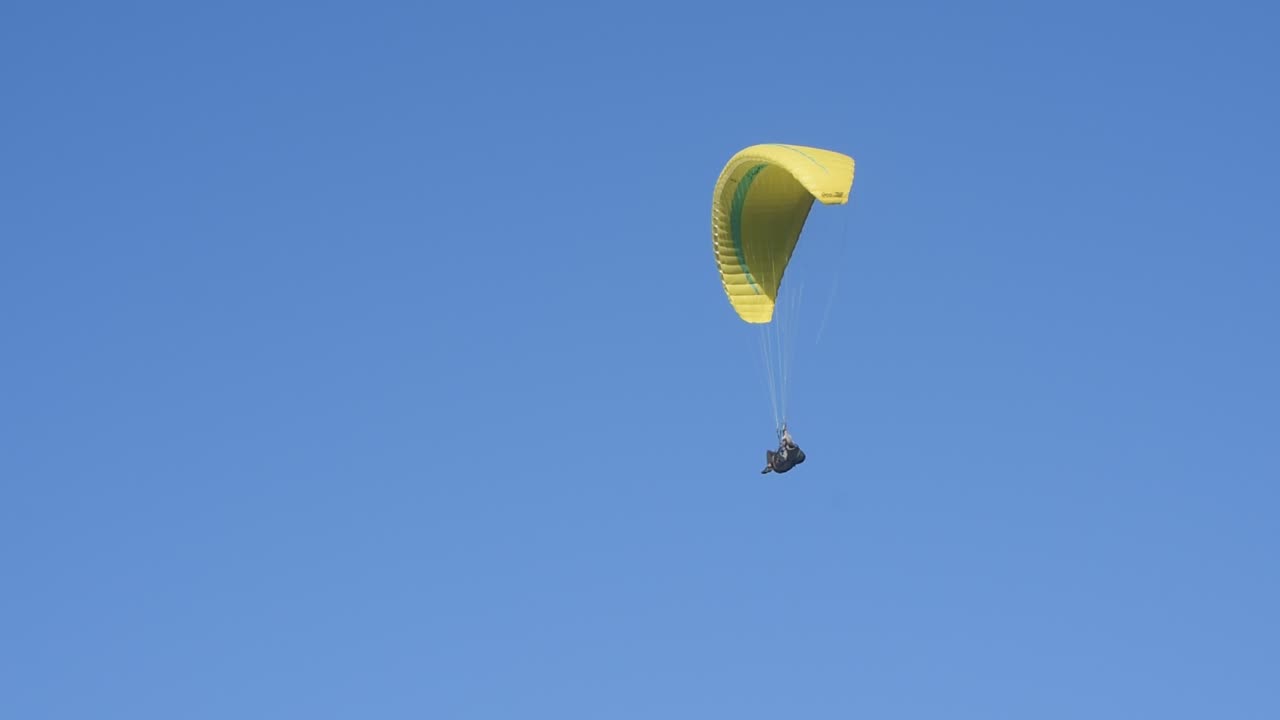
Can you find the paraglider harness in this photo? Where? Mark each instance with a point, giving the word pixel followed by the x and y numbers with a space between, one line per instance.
pixel 787 456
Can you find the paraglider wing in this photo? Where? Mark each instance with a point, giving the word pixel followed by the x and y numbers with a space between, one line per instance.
pixel 759 207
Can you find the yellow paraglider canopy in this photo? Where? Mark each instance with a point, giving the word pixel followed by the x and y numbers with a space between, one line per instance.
pixel 760 205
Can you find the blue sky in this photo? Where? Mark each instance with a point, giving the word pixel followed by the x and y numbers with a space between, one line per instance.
pixel 369 360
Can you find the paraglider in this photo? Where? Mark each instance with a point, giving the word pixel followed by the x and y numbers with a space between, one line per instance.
pixel 787 456
pixel 761 202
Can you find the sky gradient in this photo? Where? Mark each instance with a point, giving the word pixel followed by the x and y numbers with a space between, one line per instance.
pixel 369 360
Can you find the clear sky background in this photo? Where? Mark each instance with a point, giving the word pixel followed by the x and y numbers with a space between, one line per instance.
pixel 368 360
